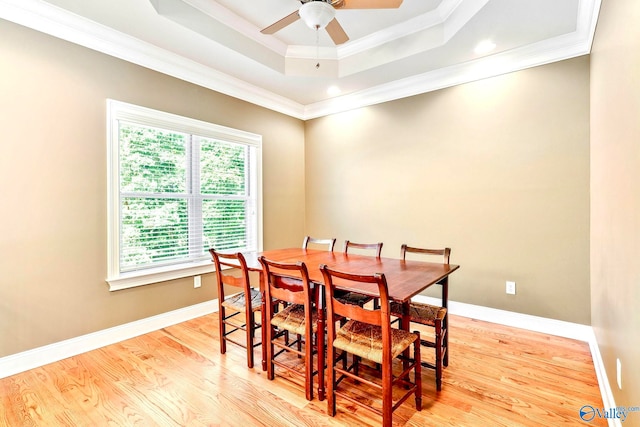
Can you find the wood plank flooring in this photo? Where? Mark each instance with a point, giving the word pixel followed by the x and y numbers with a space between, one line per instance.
pixel 497 376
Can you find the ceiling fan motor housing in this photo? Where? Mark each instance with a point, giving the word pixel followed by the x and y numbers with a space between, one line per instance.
pixel 331 2
pixel 317 13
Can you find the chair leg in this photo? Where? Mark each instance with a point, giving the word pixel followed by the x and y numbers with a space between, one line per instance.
pixel 445 351
pixel 320 355
pixel 439 340
pixel 418 372
pixel 356 365
pixel 445 341
pixel 250 324
pixel 308 366
pixel 263 324
pixel 331 382
pixel 387 396
pixel 269 330
pixel 223 331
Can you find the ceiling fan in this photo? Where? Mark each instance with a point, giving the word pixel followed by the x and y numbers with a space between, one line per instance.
pixel 319 14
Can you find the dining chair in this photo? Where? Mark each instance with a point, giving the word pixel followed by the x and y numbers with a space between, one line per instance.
pixel 330 243
pixel 429 315
pixel 299 317
pixel 237 311
pixel 368 335
pixel 377 247
pixel 354 297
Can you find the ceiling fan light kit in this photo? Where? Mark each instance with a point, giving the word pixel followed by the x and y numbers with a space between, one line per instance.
pixel 321 14
pixel 317 14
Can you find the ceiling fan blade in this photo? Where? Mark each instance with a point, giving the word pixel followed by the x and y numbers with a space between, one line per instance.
pixel 278 25
pixel 368 4
pixel 336 32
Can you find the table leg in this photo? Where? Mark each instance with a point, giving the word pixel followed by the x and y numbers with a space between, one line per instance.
pixel 445 303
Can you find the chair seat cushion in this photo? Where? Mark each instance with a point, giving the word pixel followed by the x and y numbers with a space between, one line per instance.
pixel 424 314
pixel 352 298
pixel 365 340
pixel 237 301
pixel 292 319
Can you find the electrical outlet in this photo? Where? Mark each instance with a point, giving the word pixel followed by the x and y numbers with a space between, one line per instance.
pixel 511 288
pixel 197 281
pixel 619 373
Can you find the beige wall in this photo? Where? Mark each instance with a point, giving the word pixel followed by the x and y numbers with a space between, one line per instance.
pixel 615 193
pixel 53 175
pixel 497 169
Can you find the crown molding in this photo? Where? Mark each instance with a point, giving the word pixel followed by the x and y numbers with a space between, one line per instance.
pixel 559 48
pixel 44 17
pixel 416 35
pixel 544 52
pixel 238 23
pixel 404 29
pixel 57 22
pixel 416 24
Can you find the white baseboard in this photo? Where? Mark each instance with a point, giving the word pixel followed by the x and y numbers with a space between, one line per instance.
pixel 20 362
pixel 543 325
pixel 517 320
pixel 603 381
pixel 30 359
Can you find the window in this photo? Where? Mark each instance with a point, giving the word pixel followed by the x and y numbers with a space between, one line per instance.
pixel 177 187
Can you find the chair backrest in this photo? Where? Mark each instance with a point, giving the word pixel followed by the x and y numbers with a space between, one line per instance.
pixel 288 282
pixel 329 242
pixel 377 247
pixel 225 276
pixel 336 309
pixel 445 253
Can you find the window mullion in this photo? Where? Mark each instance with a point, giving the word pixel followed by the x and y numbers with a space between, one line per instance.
pixel 196 243
pixel 250 206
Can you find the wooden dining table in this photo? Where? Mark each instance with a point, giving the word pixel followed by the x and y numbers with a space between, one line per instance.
pixel 405 278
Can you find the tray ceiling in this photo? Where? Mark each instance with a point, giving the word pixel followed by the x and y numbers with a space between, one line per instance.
pixel 421 46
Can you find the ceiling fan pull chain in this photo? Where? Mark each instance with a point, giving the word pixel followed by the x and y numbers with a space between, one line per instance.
pixel 317 48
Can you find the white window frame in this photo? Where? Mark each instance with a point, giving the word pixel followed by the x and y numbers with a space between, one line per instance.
pixel 117 111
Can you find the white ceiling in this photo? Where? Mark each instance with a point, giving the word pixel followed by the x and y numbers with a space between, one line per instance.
pixel 392 53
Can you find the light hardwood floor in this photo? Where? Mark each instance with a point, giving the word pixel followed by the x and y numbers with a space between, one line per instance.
pixel 497 376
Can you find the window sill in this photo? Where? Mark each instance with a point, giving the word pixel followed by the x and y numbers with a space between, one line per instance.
pixel 147 277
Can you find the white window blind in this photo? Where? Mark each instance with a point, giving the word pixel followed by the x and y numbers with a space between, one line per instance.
pixel 179 187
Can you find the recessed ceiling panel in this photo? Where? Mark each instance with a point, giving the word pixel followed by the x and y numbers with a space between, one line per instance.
pixel 356 22
pixel 526 33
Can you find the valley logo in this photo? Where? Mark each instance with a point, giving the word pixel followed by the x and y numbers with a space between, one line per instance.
pixel 589 413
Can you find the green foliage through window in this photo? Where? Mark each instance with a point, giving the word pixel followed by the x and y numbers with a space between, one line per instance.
pixel 181 194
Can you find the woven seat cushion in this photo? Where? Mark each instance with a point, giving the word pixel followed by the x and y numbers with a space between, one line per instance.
pixel 424 314
pixel 237 301
pixel 292 319
pixel 352 298
pixel 365 340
